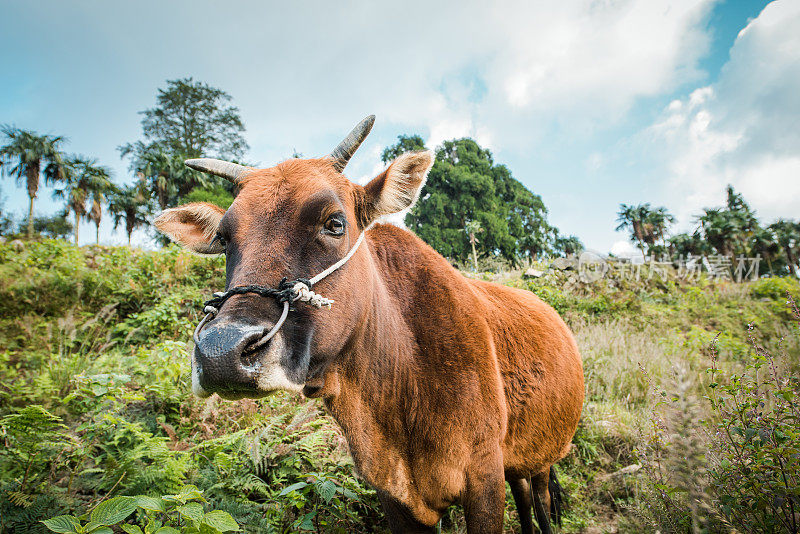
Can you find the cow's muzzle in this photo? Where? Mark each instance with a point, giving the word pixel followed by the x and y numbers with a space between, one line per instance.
pixel 226 358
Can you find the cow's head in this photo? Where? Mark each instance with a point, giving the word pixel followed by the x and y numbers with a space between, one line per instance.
pixel 289 221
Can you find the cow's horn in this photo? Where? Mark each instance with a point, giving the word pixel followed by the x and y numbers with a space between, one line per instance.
pixel 342 153
pixel 224 169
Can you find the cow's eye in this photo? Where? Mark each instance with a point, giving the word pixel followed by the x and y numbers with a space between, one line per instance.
pixel 335 226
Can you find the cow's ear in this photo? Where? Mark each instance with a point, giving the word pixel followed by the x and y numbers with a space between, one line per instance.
pixel 398 187
pixel 194 226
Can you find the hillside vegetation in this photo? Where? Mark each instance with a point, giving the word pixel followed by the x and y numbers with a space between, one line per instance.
pixel 95 403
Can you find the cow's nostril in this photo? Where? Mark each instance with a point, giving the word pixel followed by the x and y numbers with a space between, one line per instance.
pixel 252 349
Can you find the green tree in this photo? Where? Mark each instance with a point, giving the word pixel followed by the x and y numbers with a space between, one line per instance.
pixel 729 229
pixel 218 195
pixel 170 180
pixel 193 119
pixel 764 242
pixel 660 220
pixel 465 185
pixel 684 244
pixel 568 245
pixel 26 152
pixel 405 143
pixel 636 219
pixel 129 204
pixel 56 226
pixel 787 234
pixel 99 187
pixel 6 220
pixel 472 229
pixel 81 179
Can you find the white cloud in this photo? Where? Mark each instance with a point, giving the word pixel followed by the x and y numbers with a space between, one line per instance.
pixel 742 130
pixel 506 74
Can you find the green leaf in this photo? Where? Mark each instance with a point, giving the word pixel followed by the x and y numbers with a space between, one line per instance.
pixel 192 510
pixel 293 487
pixel 167 530
pixel 154 504
pixel 131 529
pixel 307 522
pixel 187 493
pixel 221 521
pixel 100 529
pixel 152 526
pixel 62 523
pixel 327 490
pixel 113 510
pixel 349 494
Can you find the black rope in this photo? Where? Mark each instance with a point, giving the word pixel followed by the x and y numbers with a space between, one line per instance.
pixel 285 292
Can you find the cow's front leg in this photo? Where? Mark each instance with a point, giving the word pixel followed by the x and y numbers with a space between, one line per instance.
pixel 485 497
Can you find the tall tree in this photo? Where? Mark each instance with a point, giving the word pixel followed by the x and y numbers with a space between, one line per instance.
pixel 568 245
pixel 466 185
pixel 660 220
pixel 129 204
pixel 684 244
pixel 26 152
pixel 56 226
pixel 99 187
pixel 636 219
pixel 764 242
pixel 170 180
pixel 787 234
pixel 80 178
pixel 729 229
pixel 473 228
pixel 405 143
pixel 191 118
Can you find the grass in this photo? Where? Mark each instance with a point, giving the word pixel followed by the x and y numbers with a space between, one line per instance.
pixel 98 338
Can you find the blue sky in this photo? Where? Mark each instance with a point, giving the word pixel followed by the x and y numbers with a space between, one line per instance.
pixel 589 103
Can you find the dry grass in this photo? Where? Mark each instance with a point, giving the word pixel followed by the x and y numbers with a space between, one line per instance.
pixel 618 358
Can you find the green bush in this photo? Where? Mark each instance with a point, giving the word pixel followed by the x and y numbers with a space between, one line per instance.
pixel 182 513
pixel 732 461
pixel 775 288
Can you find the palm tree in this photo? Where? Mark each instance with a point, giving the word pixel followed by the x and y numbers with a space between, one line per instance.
pixel 99 186
pixel 684 244
pixel 636 219
pixel 472 228
pixel 765 243
pixel 28 151
pixel 660 219
pixel 568 245
pixel 731 228
pixel 170 179
pixel 788 237
pixel 129 203
pixel 82 178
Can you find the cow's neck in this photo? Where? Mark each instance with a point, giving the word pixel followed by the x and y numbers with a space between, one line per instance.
pixel 377 386
pixel 378 364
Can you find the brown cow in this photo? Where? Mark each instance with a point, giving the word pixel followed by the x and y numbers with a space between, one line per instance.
pixel 445 387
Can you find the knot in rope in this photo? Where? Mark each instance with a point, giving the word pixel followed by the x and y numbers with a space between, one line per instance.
pixel 287 291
